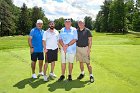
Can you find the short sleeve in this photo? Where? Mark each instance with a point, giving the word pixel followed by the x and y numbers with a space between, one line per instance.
pixel 31 33
pixel 60 35
pixel 75 34
pixel 57 35
pixel 44 36
pixel 89 33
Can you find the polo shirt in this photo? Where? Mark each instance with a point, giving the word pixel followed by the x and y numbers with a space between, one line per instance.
pixel 51 39
pixel 83 37
pixel 37 35
pixel 68 35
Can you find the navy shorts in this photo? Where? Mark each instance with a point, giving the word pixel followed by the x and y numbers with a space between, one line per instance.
pixel 37 56
pixel 51 55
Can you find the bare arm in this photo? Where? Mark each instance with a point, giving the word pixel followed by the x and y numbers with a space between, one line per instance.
pixel 72 42
pixel 44 46
pixel 30 44
pixel 89 42
pixel 89 45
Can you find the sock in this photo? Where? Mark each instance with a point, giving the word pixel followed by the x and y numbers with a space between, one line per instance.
pixel 82 72
pixel 51 73
pixel 91 75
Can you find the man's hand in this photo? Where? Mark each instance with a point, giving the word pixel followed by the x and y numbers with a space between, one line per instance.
pixel 31 50
pixel 45 50
pixel 65 48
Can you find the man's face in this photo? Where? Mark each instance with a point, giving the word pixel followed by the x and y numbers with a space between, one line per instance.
pixel 67 24
pixel 81 24
pixel 51 25
pixel 39 25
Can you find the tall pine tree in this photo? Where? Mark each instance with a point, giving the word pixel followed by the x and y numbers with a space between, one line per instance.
pixel 25 23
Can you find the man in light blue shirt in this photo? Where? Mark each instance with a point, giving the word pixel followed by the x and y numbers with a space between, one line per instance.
pixel 36 47
pixel 67 39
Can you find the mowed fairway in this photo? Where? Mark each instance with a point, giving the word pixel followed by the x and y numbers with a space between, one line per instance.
pixel 115 60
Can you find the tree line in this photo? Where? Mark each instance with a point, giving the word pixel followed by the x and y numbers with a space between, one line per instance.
pixel 19 21
pixel 118 16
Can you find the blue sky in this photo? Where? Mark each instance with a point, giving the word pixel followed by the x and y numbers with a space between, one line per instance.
pixel 65 8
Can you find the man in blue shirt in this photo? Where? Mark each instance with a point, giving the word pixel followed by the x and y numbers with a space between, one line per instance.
pixel 36 47
pixel 67 39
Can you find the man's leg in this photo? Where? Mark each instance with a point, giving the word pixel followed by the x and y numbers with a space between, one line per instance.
pixel 45 68
pixel 89 68
pixel 40 65
pixel 63 68
pixel 70 68
pixel 82 67
pixel 33 65
pixel 82 71
pixel 70 71
pixel 90 72
pixel 52 66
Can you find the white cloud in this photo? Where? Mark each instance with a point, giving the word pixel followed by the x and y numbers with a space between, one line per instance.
pixel 64 8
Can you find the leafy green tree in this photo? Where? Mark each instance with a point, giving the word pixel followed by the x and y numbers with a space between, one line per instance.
pixel 105 13
pixel 45 23
pixel 136 17
pixel 37 13
pixel 88 22
pixel 25 22
pixel 98 22
pixel 59 23
pixel 129 8
pixel 7 18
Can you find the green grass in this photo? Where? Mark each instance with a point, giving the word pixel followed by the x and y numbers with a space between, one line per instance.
pixel 115 60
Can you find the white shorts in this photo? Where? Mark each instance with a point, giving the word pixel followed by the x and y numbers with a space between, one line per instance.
pixel 69 57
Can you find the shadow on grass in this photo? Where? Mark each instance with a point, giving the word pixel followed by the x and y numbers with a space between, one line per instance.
pixel 67 85
pixel 34 83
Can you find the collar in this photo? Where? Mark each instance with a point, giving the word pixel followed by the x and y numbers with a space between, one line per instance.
pixel 38 29
pixel 54 31
pixel 65 30
pixel 82 30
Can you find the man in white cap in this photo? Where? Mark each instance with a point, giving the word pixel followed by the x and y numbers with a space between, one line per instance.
pixel 84 44
pixel 67 40
pixel 50 44
pixel 36 47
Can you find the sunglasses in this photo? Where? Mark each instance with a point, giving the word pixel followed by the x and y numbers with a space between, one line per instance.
pixel 68 19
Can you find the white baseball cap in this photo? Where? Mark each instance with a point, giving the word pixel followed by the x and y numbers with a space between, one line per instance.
pixel 81 20
pixel 39 21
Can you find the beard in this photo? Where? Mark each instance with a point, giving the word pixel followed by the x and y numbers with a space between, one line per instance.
pixel 51 27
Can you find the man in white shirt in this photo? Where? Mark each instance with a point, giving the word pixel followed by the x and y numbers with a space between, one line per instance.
pixel 50 44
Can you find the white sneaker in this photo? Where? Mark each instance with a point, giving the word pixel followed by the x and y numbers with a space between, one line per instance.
pixel 52 75
pixel 45 78
pixel 34 76
pixel 41 74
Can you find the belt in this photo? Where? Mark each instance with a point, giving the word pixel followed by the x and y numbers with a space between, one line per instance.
pixel 82 46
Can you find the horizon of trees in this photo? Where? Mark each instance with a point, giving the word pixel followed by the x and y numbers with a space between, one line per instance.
pixel 115 16
pixel 20 20
pixel 118 16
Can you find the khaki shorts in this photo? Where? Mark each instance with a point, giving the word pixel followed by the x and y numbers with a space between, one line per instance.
pixel 82 54
pixel 69 57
